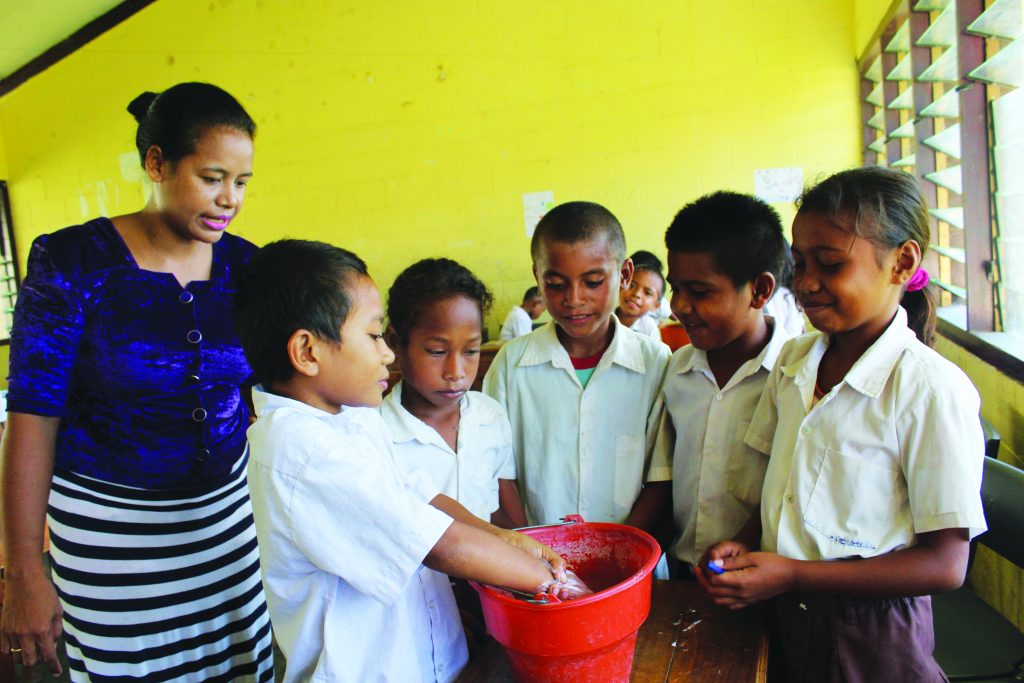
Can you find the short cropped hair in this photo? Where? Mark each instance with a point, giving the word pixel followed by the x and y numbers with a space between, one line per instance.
pixel 531 293
pixel 286 286
pixel 574 222
pixel 427 282
pixel 648 267
pixel 742 234
pixel 642 257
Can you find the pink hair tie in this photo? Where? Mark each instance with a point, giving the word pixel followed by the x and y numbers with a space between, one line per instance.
pixel 918 280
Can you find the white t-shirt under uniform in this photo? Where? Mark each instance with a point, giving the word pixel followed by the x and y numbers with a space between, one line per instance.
pixel 716 478
pixel 892 451
pixel 517 323
pixel 470 474
pixel 581 451
pixel 342 539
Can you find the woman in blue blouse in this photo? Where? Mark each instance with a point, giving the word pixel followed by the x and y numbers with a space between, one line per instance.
pixel 127 424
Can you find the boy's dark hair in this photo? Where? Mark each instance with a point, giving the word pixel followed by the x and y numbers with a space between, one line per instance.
pixel 886 207
pixel 648 267
pixel 531 293
pixel 426 282
pixel 175 119
pixel 289 285
pixel 574 222
pixel 742 234
pixel 641 257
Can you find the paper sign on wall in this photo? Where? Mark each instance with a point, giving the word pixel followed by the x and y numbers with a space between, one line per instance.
pixel 535 205
pixel 779 184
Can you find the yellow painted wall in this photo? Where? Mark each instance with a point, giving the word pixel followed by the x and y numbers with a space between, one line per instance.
pixel 409 129
pixel 868 15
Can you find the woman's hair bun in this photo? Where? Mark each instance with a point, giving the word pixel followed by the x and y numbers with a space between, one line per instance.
pixel 140 105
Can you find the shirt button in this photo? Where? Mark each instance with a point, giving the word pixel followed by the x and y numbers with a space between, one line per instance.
pixel 203 455
pixel 194 336
pixel 193 379
pixel 718 397
pixel 789 499
pixel 185 297
pixel 805 430
pixel 198 414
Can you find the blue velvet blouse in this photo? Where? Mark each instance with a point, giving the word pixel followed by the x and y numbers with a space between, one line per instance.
pixel 145 374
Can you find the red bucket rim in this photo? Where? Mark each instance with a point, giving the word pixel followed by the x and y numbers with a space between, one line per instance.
pixel 500 595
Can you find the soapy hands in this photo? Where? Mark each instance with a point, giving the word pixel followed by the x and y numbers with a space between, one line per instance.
pixel 569 588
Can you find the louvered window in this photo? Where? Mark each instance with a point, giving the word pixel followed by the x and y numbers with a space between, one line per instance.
pixel 940 100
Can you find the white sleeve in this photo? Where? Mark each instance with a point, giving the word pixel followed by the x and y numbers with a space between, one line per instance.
pixel 761 432
pixel 942 451
pixel 352 516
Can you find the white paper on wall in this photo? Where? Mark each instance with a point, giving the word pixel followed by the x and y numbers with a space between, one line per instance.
pixel 535 205
pixel 779 184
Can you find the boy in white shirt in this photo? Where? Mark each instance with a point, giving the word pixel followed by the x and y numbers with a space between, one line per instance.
pixel 519 320
pixel 725 253
pixel 343 536
pixel 582 393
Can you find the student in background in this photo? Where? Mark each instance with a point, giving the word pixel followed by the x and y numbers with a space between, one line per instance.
pixel 344 535
pixel 872 491
pixel 663 311
pixel 461 438
pixel 783 305
pixel 582 393
pixel 725 251
pixel 519 320
pixel 641 298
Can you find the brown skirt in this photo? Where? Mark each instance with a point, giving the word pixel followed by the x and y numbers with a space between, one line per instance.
pixel 820 638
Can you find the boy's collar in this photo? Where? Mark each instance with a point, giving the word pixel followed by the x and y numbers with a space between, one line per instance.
pixel 543 346
pixel 266 401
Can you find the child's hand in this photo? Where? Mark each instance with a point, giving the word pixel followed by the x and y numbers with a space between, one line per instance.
pixel 722 550
pixel 570 589
pixel 537 549
pixel 748 578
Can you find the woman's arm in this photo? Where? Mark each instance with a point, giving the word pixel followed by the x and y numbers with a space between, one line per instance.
pixel 937 563
pixel 32 614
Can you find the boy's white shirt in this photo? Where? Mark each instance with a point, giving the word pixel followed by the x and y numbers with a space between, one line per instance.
pixel 342 539
pixel 782 306
pixel 716 478
pixel 893 450
pixel 469 475
pixel 517 323
pixel 579 451
pixel 647 326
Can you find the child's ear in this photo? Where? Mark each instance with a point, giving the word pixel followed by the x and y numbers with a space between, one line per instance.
pixel 762 286
pixel 626 273
pixel 303 352
pixel 908 260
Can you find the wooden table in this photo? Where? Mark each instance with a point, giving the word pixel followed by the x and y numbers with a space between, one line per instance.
pixel 686 638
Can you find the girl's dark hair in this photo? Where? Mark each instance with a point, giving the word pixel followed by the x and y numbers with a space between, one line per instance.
pixel 885 207
pixel 426 282
pixel 286 286
pixel 175 119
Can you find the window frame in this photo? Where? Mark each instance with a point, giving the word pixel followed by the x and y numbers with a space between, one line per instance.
pixel 978 327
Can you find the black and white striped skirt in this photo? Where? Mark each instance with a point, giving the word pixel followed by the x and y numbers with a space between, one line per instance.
pixel 159 585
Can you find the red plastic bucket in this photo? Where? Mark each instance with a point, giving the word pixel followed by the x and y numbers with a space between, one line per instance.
pixel 589 639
